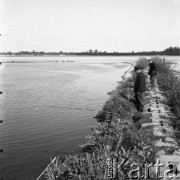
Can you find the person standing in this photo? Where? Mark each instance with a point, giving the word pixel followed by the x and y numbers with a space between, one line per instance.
pixel 152 73
pixel 139 89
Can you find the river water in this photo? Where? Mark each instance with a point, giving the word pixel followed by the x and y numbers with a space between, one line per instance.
pixel 48 105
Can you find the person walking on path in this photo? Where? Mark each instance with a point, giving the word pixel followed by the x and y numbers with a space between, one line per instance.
pixel 139 89
pixel 152 73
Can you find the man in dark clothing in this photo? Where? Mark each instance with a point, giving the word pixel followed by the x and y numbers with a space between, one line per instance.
pixel 139 89
pixel 152 73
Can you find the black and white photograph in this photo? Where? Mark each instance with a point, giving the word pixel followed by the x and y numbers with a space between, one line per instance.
pixel 89 89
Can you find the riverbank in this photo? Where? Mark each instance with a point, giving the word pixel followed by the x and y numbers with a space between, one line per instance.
pixel 119 135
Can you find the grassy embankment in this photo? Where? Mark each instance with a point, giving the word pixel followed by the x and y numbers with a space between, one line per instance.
pixel 116 135
pixel 169 82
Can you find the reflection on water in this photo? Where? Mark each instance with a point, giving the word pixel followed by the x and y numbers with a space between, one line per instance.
pixel 47 108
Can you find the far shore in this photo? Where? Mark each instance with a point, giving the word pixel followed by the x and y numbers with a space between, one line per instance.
pixel 107 54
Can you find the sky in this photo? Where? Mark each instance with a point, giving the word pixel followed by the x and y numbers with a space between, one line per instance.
pixel 80 25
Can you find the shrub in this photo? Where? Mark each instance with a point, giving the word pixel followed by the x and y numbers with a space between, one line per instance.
pixel 162 66
pixel 142 62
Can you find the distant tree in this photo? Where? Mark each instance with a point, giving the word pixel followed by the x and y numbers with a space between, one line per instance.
pixel 90 51
pixel 172 51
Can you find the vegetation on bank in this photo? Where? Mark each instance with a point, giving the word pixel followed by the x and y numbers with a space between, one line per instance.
pixel 169 51
pixel 169 83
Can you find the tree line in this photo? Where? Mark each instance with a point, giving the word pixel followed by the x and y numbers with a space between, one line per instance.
pixel 169 51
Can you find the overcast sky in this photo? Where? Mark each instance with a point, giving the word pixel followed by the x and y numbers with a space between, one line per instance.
pixel 80 25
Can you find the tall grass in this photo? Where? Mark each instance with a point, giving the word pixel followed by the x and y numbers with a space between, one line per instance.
pixel 170 84
pixel 110 141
